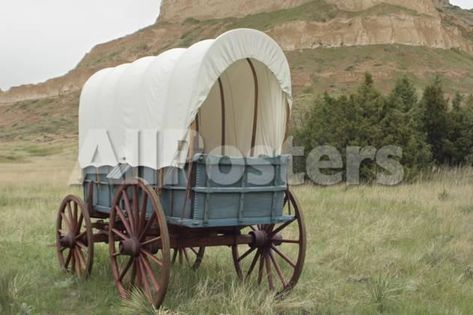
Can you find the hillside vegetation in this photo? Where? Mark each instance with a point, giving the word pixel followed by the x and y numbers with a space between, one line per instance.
pixel 46 115
pixel 49 121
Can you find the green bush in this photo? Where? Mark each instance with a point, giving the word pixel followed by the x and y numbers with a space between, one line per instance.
pixel 429 130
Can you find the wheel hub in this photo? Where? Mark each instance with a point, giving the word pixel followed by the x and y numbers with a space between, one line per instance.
pixel 130 247
pixel 263 239
pixel 67 241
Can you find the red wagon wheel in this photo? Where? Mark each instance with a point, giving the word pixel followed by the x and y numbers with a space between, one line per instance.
pixel 139 242
pixel 192 256
pixel 277 255
pixel 74 238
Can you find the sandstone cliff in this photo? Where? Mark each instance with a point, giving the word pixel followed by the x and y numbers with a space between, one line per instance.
pixel 297 25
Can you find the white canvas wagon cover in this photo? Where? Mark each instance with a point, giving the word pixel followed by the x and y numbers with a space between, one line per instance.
pixel 237 88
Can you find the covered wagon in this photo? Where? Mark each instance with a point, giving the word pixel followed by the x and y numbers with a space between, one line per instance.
pixel 183 151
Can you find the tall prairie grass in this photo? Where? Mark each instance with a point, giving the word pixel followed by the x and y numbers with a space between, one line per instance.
pixel 406 249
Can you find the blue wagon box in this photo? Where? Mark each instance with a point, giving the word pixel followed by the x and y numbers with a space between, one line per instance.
pixel 252 194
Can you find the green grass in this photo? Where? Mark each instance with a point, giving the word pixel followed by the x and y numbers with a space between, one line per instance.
pixel 381 9
pixel 25 151
pixel 318 10
pixel 371 250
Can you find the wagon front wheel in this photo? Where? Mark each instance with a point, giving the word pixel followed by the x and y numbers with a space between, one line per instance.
pixel 74 238
pixel 139 242
pixel 277 253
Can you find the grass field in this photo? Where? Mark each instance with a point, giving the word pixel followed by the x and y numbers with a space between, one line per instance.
pixel 371 250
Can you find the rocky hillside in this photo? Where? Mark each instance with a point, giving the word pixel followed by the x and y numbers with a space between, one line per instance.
pixel 297 25
pixel 330 44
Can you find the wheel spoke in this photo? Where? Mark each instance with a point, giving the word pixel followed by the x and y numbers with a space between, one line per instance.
pixel 136 209
pixel 289 202
pixel 79 224
pixel 283 256
pixel 145 280
pixel 64 217
pixel 290 241
pixel 129 211
pixel 268 228
pixel 253 263
pixel 282 226
pixel 81 257
pixel 71 217
pixel 194 250
pixel 144 203
pixel 151 240
pixel 269 272
pixel 133 272
pixel 62 232
pixel 76 214
pixel 124 220
pixel 119 234
pixel 246 254
pixel 152 257
pixel 77 263
pixel 278 269
pixel 125 269
pixel 260 271
pixel 147 226
pixel 138 277
pixel 68 259
pixel 148 268
pixel 79 236
pixel 73 261
pixel 81 245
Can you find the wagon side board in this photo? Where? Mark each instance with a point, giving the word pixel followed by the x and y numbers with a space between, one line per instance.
pixel 252 197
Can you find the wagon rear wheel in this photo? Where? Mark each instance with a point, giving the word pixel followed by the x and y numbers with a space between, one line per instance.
pixel 139 242
pixel 74 238
pixel 278 253
pixel 190 256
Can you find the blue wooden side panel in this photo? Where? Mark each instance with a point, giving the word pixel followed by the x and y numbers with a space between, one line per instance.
pixel 254 195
